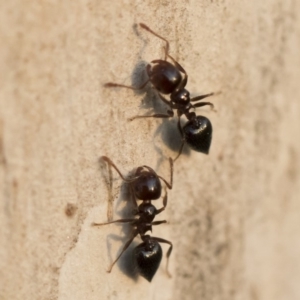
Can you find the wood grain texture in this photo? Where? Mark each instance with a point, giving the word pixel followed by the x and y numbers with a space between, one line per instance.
pixel 234 216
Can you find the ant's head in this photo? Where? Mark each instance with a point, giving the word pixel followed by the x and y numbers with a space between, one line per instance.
pixel 147 186
pixel 181 97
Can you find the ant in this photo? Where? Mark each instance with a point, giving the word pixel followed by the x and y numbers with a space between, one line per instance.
pixel 166 78
pixel 145 185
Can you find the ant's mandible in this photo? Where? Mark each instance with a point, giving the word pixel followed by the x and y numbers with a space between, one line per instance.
pixel 166 78
pixel 145 186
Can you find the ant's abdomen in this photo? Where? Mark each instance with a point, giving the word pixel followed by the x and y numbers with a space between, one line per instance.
pixel 147 259
pixel 198 134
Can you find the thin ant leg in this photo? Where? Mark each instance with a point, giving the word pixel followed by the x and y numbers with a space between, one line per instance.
pixel 109 161
pixel 165 202
pixel 133 199
pixel 183 82
pixel 111 84
pixel 169 103
pixel 123 250
pixel 180 150
pixel 198 98
pixel 183 141
pixel 164 100
pixel 127 243
pixel 116 221
pixel 177 65
pixel 169 185
pixel 165 199
pixel 160 37
pixel 160 240
pixel 169 115
pixel 157 223
pixel 170 112
pixel 179 125
pixel 203 104
pixel 149 169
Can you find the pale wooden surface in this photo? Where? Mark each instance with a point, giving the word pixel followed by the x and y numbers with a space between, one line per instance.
pixel 234 216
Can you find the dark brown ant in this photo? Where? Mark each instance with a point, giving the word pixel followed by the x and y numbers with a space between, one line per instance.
pixel 144 185
pixel 166 78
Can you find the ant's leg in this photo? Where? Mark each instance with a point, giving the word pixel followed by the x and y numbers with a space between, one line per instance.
pixel 116 221
pixel 165 199
pixel 180 150
pixel 169 185
pixel 177 65
pixel 198 98
pixel 123 250
pixel 133 199
pixel 170 112
pixel 157 222
pixel 179 127
pixel 109 161
pixel 160 37
pixel 203 104
pixel 168 253
pixel 165 202
pixel 169 115
pixel 111 84
pixel 127 243
pixel 165 100
pixel 183 141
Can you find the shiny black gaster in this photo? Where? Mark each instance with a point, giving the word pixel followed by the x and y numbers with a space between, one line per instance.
pixel 198 134
pixel 147 258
